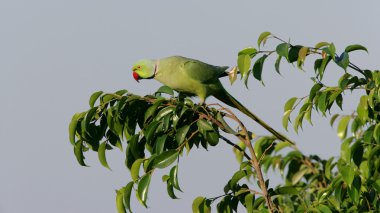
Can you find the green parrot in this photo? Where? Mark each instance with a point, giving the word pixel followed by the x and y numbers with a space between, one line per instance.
pixel 194 77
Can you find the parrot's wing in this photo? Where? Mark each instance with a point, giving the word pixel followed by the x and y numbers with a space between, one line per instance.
pixel 201 71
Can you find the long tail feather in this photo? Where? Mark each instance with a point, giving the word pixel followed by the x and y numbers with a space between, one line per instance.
pixel 228 99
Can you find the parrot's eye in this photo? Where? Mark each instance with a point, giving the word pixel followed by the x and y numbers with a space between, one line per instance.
pixel 139 67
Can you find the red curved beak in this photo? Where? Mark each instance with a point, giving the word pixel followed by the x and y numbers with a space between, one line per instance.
pixel 136 76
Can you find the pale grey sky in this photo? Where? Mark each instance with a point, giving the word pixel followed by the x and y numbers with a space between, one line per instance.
pixel 54 54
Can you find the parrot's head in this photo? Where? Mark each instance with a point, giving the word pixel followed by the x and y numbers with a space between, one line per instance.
pixel 144 69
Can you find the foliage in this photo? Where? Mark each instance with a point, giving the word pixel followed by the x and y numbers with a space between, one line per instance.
pixel 156 130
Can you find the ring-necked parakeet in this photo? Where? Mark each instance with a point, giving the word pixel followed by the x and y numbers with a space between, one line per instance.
pixel 194 77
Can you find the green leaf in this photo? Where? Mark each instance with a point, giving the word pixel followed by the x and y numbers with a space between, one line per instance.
pixel 286 190
pixel 321 44
pixel 298 121
pixel 342 126
pixel 197 205
pixel 362 108
pixel 78 151
pixel 244 63
pixel 285 119
pixel 262 38
pixel 308 114
pixel 302 56
pixel 355 47
pixel 354 190
pixel 160 144
pixel 322 102
pixel 290 103
pixel 163 112
pixel 357 153
pixel 314 91
pixel 283 50
pixel 174 177
pixel 281 145
pixel 119 200
pixel 258 67
pixel 277 64
pixel 170 190
pixel 249 199
pixel 165 159
pixel 127 196
pixel 348 174
pixel 121 92
pixel 248 51
pixel 181 134
pixel 333 118
pixel 299 174
pixel 165 89
pixel 376 133
pixel 102 155
pixel 293 53
pixel 142 188
pixel 332 50
pixel 94 97
pixel 73 126
pixel 135 169
pixel 323 65
pixel 238 176
pixel 150 130
pixel 152 109
pixel 343 60
pixel 374 153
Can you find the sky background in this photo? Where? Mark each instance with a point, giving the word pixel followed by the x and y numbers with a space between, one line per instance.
pixel 55 54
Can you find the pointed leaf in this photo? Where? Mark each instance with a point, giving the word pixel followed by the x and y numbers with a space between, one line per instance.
pixel 174 177
pixel 73 126
pixel 249 199
pixel 79 152
pixel 170 190
pixel 262 38
pixel 160 144
pixel 355 47
pixel 143 187
pixel 285 119
pixel 119 200
pixel 248 51
pixel 314 91
pixel 197 205
pixel 348 174
pixel 244 63
pixel 102 155
pixel 277 64
pixel 290 103
pixel 376 133
pixel 283 50
pixel 321 44
pixel 302 56
pixel 127 196
pixel 94 97
pixel 165 159
pixel 135 169
pixel 181 134
pixel 165 89
pixel 333 118
pixel 258 67
pixel 342 126
pixel 289 190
